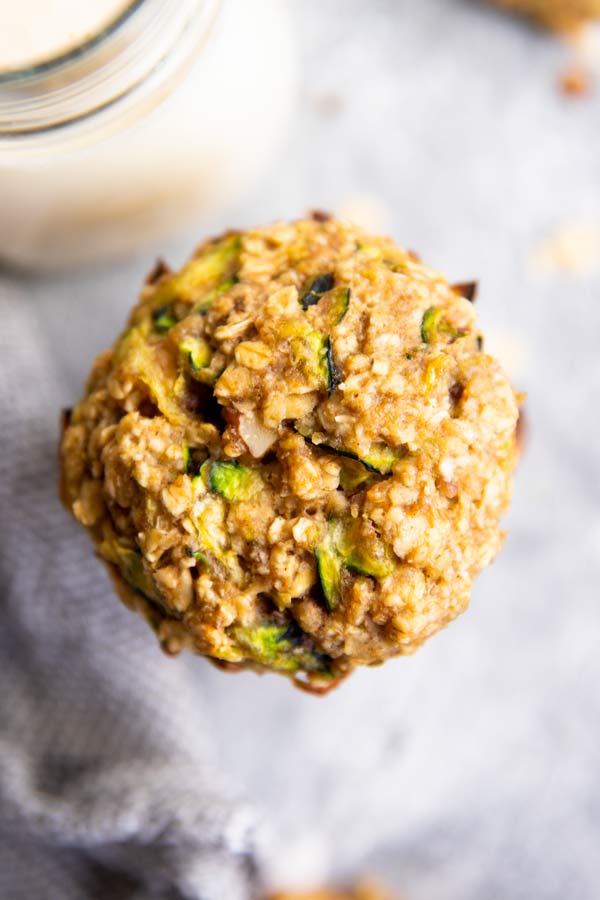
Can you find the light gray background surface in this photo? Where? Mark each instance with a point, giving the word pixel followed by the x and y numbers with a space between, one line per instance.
pixel 471 770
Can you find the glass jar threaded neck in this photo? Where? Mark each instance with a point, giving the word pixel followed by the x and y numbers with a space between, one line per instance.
pixel 115 74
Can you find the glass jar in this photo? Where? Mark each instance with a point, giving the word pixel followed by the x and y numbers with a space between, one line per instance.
pixel 168 113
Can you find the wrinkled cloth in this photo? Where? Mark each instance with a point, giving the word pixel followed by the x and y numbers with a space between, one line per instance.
pixel 109 786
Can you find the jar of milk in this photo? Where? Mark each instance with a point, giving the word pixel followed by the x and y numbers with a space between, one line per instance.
pixel 122 121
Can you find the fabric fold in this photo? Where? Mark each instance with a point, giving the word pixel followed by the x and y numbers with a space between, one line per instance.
pixel 109 783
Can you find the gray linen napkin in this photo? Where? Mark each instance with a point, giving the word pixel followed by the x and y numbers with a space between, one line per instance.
pixel 108 785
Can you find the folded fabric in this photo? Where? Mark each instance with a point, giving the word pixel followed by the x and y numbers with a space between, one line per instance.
pixel 108 782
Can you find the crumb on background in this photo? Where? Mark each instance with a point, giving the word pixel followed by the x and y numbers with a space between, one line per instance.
pixel 328 104
pixel 367 211
pixel 362 890
pixel 575 81
pixel 573 248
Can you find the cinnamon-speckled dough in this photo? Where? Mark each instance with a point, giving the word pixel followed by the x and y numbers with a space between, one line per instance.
pixel 297 454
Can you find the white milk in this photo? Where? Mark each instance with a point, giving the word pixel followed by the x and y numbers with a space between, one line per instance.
pixel 33 31
pixel 191 154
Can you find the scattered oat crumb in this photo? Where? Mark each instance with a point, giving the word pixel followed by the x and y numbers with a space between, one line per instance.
pixel 364 890
pixel 573 248
pixel 575 82
pixel 328 104
pixel 367 211
pixel 580 75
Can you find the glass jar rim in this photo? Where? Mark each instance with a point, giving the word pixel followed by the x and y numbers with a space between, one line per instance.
pixel 46 64
pixel 118 73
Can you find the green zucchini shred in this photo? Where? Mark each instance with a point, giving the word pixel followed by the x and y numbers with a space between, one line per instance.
pixel 233 481
pixel 216 265
pixel 320 345
pixel 197 555
pixel 434 325
pixel 333 301
pixel 337 303
pixel 363 551
pixel 163 318
pixel 205 302
pixel 373 559
pixel 132 569
pixel 379 461
pixel 275 646
pixel 347 545
pixel 196 352
pixel 209 520
pixel 266 643
pixel 141 356
pixel 355 476
pixel 310 351
pixel 329 565
pixel 333 377
pixel 202 478
pixel 130 563
pixel 320 285
pixel 395 265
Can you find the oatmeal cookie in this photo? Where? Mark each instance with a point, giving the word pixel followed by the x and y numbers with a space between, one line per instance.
pixel 297 454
